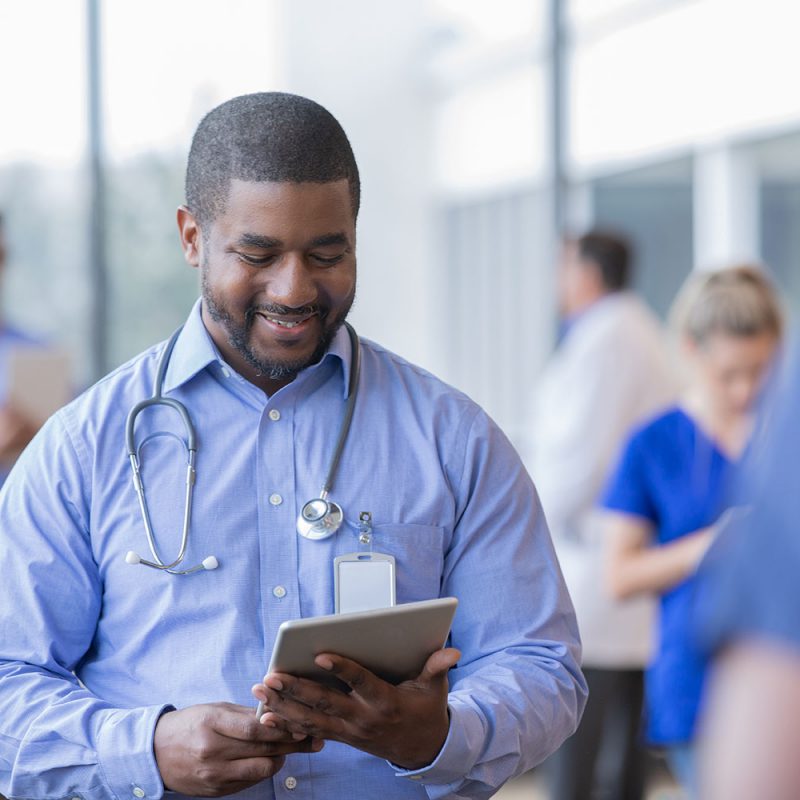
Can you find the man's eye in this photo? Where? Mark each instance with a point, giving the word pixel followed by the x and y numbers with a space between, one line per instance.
pixel 256 261
pixel 327 261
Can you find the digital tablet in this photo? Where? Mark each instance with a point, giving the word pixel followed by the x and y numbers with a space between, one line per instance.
pixel 38 380
pixel 393 642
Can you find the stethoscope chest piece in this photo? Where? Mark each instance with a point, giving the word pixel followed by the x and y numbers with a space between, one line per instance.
pixel 319 518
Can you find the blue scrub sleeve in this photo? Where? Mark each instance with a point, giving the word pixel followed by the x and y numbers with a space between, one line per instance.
pixel 628 488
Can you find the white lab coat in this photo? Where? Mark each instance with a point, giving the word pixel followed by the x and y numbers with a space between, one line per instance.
pixel 610 373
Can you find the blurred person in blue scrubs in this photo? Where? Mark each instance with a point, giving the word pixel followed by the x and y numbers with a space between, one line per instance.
pixel 609 372
pixel 123 681
pixel 16 427
pixel 748 620
pixel 669 495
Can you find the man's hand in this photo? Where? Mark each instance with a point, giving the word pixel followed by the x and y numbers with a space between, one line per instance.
pixel 220 748
pixel 405 724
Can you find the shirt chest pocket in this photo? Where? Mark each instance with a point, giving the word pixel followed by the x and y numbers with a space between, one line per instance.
pixel 418 551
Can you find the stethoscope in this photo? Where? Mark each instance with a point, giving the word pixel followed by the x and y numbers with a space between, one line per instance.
pixel 318 519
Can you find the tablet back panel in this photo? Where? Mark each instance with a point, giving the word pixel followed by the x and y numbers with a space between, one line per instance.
pixel 394 643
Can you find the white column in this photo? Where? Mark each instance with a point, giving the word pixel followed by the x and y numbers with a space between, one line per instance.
pixel 726 207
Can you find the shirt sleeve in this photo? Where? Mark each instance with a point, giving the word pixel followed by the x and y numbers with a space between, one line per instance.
pixel 628 488
pixel 518 691
pixel 58 740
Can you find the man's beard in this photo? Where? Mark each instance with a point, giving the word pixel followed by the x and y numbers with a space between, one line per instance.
pixel 239 334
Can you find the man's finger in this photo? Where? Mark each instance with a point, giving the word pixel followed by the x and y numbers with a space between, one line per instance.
pixel 247 771
pixel 240 723
pixel 298 717
pixel 438 665
pixel 317 696
pixel 363 682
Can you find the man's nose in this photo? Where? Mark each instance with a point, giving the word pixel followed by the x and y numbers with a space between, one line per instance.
pixel 292 283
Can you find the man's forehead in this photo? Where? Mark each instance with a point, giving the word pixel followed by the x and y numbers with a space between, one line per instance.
pixel 272 208
pixel 314 197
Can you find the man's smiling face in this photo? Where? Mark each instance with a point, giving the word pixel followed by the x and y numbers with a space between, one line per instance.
pixel 278 271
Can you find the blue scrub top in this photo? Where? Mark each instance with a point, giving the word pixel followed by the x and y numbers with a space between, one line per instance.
pixel 673 475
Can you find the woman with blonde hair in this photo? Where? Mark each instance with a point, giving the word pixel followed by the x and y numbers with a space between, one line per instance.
pixel 665 501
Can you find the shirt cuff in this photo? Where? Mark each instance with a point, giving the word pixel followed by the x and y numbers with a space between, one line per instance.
pixel 460 751
pixel 125 752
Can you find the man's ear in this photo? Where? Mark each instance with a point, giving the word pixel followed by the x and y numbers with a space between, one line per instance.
pixel 191 236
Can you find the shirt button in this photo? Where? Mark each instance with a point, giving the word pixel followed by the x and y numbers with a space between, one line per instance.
pixel 138 792
pixel 274 414
pixel 279 591
pixel 226 372
pixel 290 782
pixel 275 499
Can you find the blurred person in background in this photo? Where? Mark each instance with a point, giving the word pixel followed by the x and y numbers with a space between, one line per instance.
pixel 667 498
pixel 749 618
pixel 119 679
pixel 609 372
pixel 17 427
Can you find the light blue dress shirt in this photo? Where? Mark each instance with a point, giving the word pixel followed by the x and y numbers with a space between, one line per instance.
pixel 92 649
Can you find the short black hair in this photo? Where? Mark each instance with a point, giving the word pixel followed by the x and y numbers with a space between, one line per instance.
pixel 612 253
pixel 267 136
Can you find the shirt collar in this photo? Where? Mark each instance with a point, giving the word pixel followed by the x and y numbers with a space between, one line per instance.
pixel 195 350
pixel 341 349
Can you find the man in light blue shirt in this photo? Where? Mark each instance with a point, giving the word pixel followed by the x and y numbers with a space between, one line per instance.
pixel 120 681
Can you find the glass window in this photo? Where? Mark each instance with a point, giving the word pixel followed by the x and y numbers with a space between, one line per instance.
pixel 500 299
pixel 778 161
pixel 654 207
pixel 476 24
pixel 42 184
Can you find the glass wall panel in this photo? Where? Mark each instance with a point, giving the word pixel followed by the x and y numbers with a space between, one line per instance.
pixel 42 185
pixel 654 207
pixel 500 299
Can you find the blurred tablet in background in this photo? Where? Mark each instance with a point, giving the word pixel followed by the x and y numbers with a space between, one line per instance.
pixel 38 380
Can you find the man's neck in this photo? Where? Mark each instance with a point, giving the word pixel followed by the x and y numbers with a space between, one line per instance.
pixel 584 303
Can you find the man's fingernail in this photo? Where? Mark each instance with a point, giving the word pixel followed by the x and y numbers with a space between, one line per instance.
pixel 324 662
pixel 275 684
pixel 298 736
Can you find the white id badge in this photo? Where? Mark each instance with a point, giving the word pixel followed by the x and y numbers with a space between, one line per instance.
pixel 363 581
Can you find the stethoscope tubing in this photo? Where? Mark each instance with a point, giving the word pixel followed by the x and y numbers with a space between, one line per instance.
pixel 347 419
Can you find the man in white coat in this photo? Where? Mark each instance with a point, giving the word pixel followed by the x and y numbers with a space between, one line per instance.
pixel 609 372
